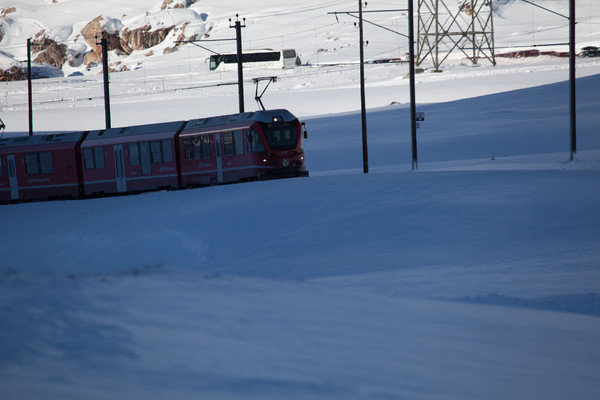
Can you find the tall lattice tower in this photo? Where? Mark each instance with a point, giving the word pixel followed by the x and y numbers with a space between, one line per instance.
pixel 446 26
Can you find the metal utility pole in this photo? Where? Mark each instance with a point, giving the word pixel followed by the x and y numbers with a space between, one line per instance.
pixel 411 68
pixel 362 80
pixel 104 45
pixel 238 36
pixel 29 93
pixel 572 99
pixel 572 108
pixel 363 107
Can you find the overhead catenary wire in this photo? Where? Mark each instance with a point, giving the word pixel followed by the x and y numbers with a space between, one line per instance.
pixel 120 92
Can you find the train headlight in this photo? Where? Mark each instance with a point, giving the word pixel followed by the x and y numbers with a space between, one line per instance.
pixel 265 160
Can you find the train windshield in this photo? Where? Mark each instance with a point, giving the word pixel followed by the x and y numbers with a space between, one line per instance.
pixel 281 135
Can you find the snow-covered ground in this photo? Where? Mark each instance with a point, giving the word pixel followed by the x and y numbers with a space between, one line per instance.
pixel 477 276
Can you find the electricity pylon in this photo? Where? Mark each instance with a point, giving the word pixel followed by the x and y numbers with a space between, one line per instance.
pixel 445 26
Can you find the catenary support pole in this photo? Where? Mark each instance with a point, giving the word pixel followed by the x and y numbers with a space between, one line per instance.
pixel 572 107
pixel 362 79
pixel 572 98
pixel 104 44
pixel 411 67
pixel 238 36
pixel 29 92
pixel 363 110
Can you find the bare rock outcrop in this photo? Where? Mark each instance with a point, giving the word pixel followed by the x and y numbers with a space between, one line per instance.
pixel 143 38
pixel 14 73
pixel 8 10
pixel 125 41
pixel 50 52
pixel 118 67
pixel 93 33
pixel 176 4
pixel 181 37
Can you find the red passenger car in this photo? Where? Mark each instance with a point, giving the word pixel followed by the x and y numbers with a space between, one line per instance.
pixel 130 159
pixel 241 147
pixel 40 167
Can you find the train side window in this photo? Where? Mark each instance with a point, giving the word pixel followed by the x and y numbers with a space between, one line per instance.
pixel 32 165
pixel 93 157
pixel 191 148
pixel 205 146
pixel 197 147
pixel 0 166
pixel 162 151
pixel 46 163
pixel 39 163
pixel 88 158
pixel 99 157
pixel 155 148
pixel 238 141
pixel 228 144
pixel 187 148
pixel 134 154
pixel 167 151
pixel 145 158
pixel 257 143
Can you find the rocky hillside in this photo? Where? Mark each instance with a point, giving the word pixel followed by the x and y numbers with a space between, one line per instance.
pixel 77 47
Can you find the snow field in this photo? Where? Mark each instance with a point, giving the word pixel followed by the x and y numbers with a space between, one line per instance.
pixel 475 277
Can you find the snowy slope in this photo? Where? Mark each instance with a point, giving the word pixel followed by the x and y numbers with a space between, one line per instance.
pixel 476 276
pixel 341 285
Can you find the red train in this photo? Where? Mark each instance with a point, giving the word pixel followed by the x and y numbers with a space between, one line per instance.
pixel 230 148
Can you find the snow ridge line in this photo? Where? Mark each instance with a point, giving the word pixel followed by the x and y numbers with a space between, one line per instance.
pixel 576 303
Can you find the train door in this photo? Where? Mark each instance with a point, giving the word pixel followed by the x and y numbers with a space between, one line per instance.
pixel 12 177
pixel 120 168
pixel 219 157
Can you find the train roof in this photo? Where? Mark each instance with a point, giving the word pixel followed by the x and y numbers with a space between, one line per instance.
pixel 232 121
pixel 135 130
pixel 36 140
pixel 240 119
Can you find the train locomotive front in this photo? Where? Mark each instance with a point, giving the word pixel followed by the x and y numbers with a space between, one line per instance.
pixel 281 134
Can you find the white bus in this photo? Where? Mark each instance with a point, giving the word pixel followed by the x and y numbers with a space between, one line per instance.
pixel 268 58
